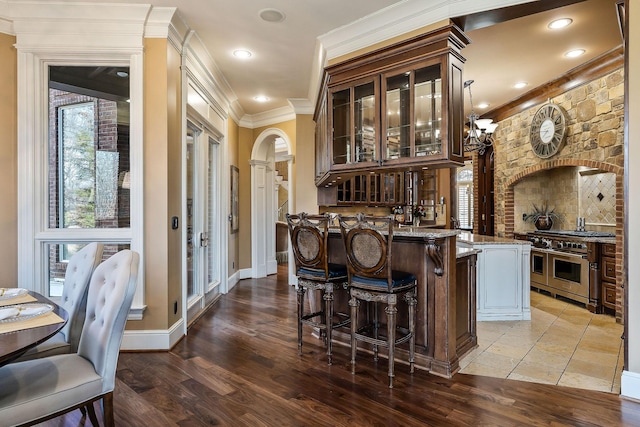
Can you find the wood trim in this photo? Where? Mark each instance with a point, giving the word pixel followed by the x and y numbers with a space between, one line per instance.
pixel 503 14
pixel 589 71
pixel 448 39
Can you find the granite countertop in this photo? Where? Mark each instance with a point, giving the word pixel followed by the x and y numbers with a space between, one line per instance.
pixel 411 231
pixel 463 252
pixel 611 240
pixel 478 239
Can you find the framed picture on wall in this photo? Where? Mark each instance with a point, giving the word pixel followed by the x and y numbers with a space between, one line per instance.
pixel 234 199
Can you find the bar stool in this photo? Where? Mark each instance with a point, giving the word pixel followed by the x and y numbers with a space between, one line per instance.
pixel 309 235
pixel 367 241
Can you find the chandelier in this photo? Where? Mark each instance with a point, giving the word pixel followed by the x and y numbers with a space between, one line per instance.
pixel 480 130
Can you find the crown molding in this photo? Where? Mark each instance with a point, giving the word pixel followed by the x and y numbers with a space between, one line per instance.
pixel 6 24
pixel 398 19
pixel 47 25
pixel 277 115
pixel 301 105
pixel 159 22
pixel 236 112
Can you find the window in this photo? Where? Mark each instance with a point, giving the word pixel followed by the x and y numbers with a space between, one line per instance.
pixel 464 182
pixel 77 166
pixel 88 161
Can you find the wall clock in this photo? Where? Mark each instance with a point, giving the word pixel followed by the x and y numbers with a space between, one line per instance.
pixel 548 130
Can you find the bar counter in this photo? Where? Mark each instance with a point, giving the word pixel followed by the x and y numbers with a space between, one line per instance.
pixel 446 294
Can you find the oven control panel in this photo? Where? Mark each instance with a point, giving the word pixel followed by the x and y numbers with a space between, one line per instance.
pixel 559 244
pixel 568 245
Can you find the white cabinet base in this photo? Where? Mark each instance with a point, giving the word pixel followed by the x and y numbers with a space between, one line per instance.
pixel 503 281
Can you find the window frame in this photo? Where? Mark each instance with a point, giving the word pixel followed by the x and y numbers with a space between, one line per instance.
pixel 34 232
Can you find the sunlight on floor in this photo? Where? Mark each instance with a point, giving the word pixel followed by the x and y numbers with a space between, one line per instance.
pixel 563 344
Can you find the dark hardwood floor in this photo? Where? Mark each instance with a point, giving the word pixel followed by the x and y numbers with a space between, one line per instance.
pixel 239 366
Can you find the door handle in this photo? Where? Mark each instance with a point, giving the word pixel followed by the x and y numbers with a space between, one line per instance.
pixel 204 239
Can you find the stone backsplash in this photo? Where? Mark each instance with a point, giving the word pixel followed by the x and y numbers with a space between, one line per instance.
pixel 574 192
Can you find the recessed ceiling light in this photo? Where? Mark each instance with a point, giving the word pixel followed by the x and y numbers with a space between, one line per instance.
pixel 272 15
pixel 574 53
pixel 122 74
pixel 241 53
pixel 520 85
pixel 261 98
pixel 483 105
pixel 560 23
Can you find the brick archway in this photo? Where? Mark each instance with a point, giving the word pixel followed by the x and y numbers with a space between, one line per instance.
pixel 552 164
pixel 606 167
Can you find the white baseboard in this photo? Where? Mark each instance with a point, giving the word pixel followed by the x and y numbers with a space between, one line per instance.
pixel 156 339
pixel 245 273
pixel 630 385
pixel 233 280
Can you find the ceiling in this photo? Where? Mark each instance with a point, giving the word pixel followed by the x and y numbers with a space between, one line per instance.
pixel 281 66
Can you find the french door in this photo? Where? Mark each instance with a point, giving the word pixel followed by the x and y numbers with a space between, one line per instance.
pixel 202 236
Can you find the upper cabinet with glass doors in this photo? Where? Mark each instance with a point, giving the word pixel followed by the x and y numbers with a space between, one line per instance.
pixel 354 123
pixel 399 107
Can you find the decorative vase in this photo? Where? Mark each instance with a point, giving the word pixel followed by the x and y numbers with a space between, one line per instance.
pixel 416 221
pixel 543 222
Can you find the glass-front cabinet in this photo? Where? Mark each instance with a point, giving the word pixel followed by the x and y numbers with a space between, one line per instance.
pixel 398 107
pixel 413 113
pixel 354 124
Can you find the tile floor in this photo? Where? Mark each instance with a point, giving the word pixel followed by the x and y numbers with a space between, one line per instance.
pixel 563 344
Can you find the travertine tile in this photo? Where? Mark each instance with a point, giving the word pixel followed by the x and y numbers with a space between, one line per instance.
pixel 571 379
pixel 602 345
pixel 514 352
pixel 605 359
pixel 536 372
pixel 595 370
pixel 553 360
pixel 475 368
pixel 561 349
pixel 497 361
pixel 522 340
pixel 575 318
pixel 563 344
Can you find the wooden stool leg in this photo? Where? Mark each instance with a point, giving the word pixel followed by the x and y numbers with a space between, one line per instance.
pixel 412 302
pixel 376 329
pixel 354 303
pixel 328 307
pixel 391 311
pixel 300 314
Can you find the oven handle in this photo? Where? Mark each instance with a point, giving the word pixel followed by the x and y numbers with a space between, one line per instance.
pixel 558 254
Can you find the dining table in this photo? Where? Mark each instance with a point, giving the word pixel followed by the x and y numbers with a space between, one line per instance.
pixel 17 336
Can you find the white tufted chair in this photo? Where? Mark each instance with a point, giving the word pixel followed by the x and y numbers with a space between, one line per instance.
pixel 37 390
pixel 74 301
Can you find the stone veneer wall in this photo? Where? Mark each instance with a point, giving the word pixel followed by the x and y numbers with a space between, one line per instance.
pixel 595 140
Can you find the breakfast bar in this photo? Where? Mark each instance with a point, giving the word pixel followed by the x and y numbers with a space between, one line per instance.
pixel 445 328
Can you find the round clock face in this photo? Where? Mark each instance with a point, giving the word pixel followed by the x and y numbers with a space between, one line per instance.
pixel 548 130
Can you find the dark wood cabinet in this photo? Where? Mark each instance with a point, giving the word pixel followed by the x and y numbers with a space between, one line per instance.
pixel 466 303
pixel 608 275
pixel 386 189
pixel 396 108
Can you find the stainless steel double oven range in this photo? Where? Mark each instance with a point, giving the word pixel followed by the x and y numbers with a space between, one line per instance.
pixel 566 263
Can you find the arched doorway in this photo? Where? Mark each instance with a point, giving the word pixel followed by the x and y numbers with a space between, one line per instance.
pixel 263 201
